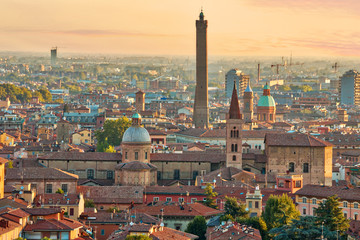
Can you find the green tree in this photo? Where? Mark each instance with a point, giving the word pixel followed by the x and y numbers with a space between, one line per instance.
pixel 279 210
pixel 113 131
pixel 110 149
pixel 197 227
pixel 255 222
pixel 330 213
pixel 89 203
pixel 138 237
pixel 306 228
pixel 235 208
pixel 210 199
pixel 45 94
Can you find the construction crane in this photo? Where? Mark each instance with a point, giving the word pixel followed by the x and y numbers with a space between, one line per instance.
pixel 277 67
pixel 336 67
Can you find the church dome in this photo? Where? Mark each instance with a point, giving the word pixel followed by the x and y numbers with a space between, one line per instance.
pixel 266 101
pixel 136 133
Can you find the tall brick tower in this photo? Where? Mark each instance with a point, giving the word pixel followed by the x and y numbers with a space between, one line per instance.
pixel 140 101
pixel 234 133
pixel 248 104
pixel 201 108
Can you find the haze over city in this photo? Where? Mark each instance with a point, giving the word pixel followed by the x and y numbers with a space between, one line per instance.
pixel 161 27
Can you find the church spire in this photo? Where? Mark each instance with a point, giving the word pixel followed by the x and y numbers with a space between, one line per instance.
pixel 234 112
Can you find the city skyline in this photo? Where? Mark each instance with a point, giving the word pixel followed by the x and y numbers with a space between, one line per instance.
pixel 237 28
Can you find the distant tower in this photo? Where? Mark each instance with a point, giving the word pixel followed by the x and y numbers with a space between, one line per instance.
pixel 234 133
pixel 140 101
pixel 53 52
pixel 248 104
pixel 241 80
pixel 349 87
pixel 201 108
pixel 266 109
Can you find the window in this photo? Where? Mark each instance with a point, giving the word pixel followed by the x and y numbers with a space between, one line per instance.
pixel 102 231
pixel 71 211
pixel 156 199
pixel 234 158
pixel 345 204
pixel 136 156
pixel 232 147
pixel 145 155
pixel 256 204
pixel 250 204
pixel 181 199
pixel 195 174
pixel 298 184
pixel 306 168
pixel 176 174
pixel 355 216
pixel 109 174
pixel 48 188
pixel 90 173
pixel 291 167
pixel 64 187
pixel 356 205
pixel 158 175
pixel 345 215
pixel 314 201
pixel 193 200
pixel 33 185
pixel 304 200
pixel 236 147
pixel 304 211
pixel 169 199
pixel 126 155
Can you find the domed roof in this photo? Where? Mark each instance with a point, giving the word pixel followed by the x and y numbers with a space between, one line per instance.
pixel 135 165
pixel 136 115
pixel 266 101
pixel 136 134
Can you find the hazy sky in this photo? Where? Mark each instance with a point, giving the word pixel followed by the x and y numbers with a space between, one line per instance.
pixel 167 27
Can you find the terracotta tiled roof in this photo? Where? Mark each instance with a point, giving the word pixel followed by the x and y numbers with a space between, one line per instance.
pixel 343 192
pixel 136 165
pixel 10 202
pixel 82 156
pixel 41 211
pixel 174 209
pixel 39 173
pixel 294 139
pixel 169 233
pixel 113 194
pixel 18 213
pixel 188 157
pixel 192 190
pixel 57 198
pixel 10 227
pixel 53 224
pixel 3 160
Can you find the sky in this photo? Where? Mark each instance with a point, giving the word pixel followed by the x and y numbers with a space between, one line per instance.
pixel 167 27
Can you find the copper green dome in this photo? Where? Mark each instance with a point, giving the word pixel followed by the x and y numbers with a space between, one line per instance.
pixel 136 115
pixel 266 101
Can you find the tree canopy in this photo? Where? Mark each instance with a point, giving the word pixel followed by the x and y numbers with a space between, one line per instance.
pixel 210 199
pixel 331 214
pixel 279 210
pixel 197 227
pixel 112 133
pixel 235 208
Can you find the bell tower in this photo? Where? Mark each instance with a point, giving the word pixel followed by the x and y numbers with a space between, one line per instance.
pixel 248 104
pixel 234 133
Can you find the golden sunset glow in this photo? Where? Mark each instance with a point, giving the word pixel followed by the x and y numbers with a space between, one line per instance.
pixel 167 27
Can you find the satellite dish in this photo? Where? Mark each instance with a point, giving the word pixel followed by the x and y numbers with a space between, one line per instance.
pixel 131 223
pixel 21 192
pixel 22 187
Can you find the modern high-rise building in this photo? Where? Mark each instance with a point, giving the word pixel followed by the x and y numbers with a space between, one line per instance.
pixel 349 88
pixel 241 81
pixel 53 53
pixel 201 108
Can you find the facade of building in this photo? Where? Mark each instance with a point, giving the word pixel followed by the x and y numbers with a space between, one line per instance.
pixel 136 168
pixel 241 81
pixel 298 153
pixel 349 88
pixel 201 108
pixel 266 109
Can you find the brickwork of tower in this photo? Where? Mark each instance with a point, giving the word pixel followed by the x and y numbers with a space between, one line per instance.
pixel 201 108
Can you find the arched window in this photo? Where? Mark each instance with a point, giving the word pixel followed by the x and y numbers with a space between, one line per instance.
pixel 236 148
pixel 291 167
pixel 237 133
pixel 231 133
pixel 234 158
pixel 232 147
